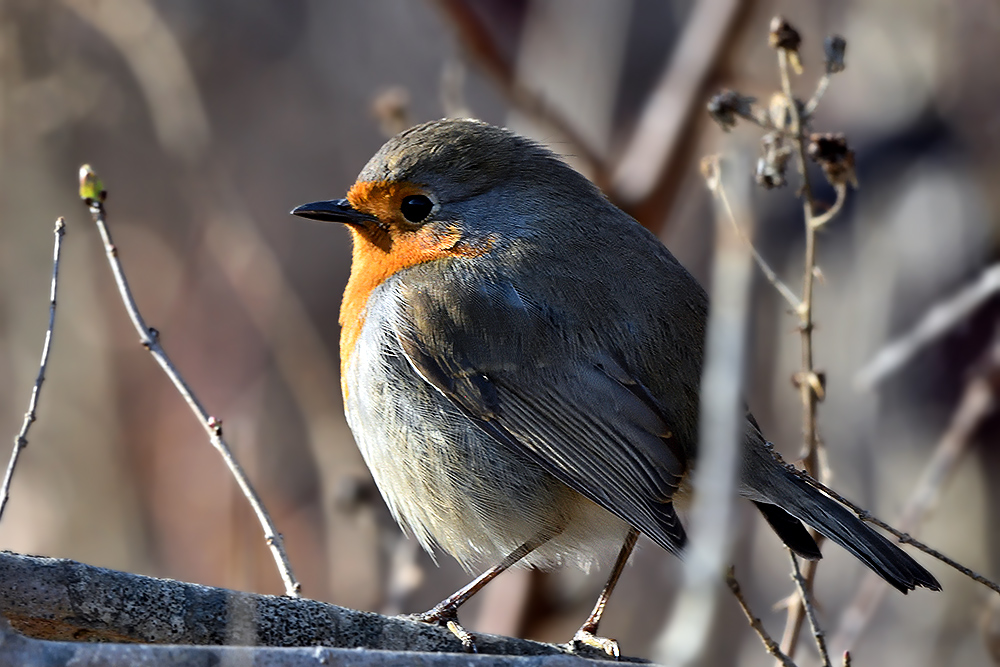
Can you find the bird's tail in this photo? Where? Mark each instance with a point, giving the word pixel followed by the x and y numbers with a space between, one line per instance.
pixel 770 482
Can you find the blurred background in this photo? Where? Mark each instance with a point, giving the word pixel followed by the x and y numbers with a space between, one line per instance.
pixel 209 121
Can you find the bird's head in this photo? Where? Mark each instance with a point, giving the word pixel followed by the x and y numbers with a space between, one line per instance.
pixel 452 187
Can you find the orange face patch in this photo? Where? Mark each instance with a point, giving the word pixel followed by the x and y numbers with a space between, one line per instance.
pixel 382 250
pixel 382 198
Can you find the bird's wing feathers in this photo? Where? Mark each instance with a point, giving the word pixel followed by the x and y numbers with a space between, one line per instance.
pixel 587 420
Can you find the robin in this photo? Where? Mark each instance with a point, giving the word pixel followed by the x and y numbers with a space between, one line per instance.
pixel 520 364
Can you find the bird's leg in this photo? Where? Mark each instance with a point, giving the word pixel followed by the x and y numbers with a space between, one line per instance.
pixel 445 613
pixel 587 634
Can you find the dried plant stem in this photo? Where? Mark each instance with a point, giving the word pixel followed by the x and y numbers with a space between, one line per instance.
pixel 806 597
pixel 769 644
pixel 149 338
pixel 807 378
pixel 21 440
pixel 716 187
pixel 814 101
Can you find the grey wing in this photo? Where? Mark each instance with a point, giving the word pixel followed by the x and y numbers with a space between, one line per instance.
pixel 584 418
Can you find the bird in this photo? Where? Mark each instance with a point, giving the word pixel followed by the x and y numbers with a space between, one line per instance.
pixel 520 366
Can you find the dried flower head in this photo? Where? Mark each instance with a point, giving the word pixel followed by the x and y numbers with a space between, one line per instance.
pixel 783 35
pixel 834 47
pixel 726 105
pixel 830 151
pixel 785 38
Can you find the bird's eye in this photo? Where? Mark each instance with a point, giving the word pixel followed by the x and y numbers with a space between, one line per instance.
pixel 416 207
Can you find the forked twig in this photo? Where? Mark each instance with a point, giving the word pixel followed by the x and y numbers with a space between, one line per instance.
pixel 21 440
pixel 758 627
pixel 93 194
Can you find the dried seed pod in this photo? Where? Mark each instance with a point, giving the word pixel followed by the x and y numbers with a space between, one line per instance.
pixel 726 105
pixel 786 38
pixel 834 47
pixel 830 151
pixel 783 35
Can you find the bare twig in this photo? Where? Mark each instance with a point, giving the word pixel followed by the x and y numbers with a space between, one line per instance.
pixel 978 401
pixel 93 195
pixel 940 319
pixel 21 440
pixel 710 168
pixel 905 538
pixel 820 220
pixel 769 644
pixel 813 103
pixel 806 597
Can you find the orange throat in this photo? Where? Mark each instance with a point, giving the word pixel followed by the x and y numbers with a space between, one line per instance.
pixel 381 253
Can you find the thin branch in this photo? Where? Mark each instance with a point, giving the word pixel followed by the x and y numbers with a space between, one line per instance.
pixel 939 320
pixel 903 537
pixel 820 220
pixel 769 644
pixel 149 338
pixel 978 401
pixel 710 168
pixel 805 596
pixel 21 440
pixel 796 612
pixel 814 101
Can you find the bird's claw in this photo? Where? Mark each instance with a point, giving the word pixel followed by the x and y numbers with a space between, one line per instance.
pixel 591 641
pixel 446 618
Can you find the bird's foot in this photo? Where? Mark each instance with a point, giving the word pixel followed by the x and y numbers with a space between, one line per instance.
pixel 446 617
pixel 586 638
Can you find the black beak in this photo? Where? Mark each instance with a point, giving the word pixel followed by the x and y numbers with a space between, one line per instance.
pixel 335 210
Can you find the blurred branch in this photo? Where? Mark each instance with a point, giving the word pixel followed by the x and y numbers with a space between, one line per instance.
pixel 646 175
pixel 979 401
pixel 667 116
pixel 156 58
pixel 21 440
pixel 93 194
pixel 62 600
pixel 720 428
pixel 940 319
pixel 479 44
pixel 758 627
